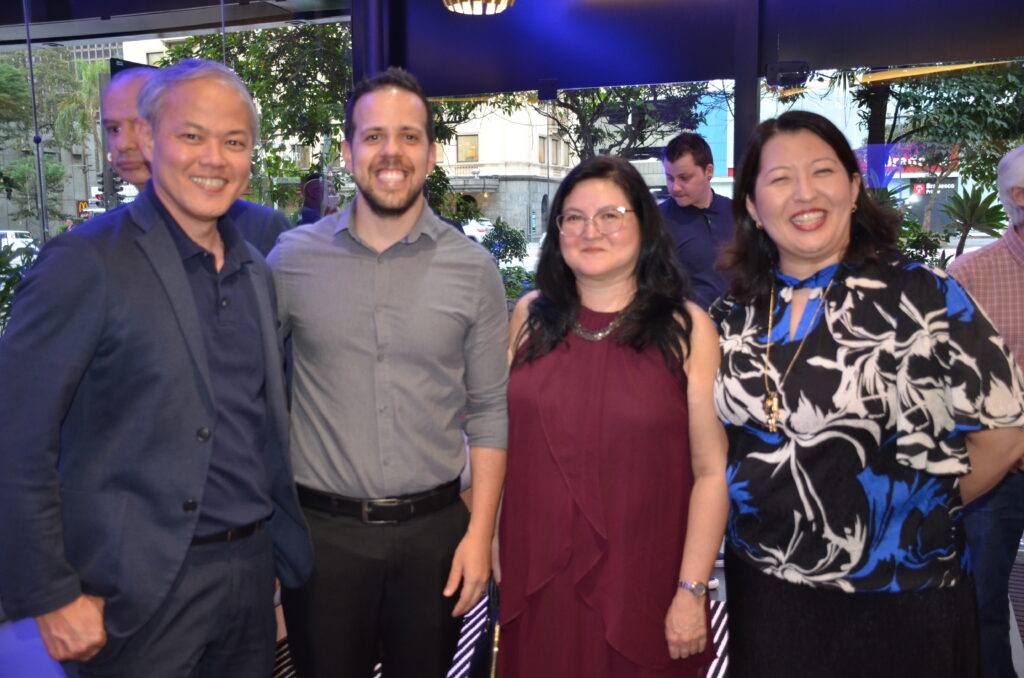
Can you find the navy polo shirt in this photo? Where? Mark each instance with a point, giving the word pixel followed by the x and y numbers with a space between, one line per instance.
pixel 699 234
pixel 237 486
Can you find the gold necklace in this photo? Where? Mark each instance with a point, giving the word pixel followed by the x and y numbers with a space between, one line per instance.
pixel 598 335
pixel 772 412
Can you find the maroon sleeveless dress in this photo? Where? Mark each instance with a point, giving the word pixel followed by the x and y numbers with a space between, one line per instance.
pixel 594 515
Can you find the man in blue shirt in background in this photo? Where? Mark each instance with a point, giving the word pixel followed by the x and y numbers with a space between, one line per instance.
pixel 699 219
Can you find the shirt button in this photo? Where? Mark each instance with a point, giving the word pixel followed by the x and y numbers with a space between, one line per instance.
pixel 190 506
pixel 380 357
pixel 203 434
pixel 387 463
pixel 223 303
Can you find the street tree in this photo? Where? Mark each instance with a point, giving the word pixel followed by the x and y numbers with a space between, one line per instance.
pixel 24 187
pixel 625 120
pixel 55 81
pixel 78 117
pixel 980 111
pixel 15 101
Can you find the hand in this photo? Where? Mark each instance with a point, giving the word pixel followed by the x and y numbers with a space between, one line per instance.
pixel 471 565
pixel 74 632
pixel 685 625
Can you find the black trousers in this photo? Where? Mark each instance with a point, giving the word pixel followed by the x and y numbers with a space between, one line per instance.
pixel 217 621
pixel 376 595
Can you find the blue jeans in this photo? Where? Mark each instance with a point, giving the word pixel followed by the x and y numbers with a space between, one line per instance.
pixel 994 524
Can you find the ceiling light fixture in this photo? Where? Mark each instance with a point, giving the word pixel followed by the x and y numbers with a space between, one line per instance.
pixel 895 73
pixel 478 7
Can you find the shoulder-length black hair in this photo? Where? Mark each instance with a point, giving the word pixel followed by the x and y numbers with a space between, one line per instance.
pixel 657 315
pixel 753 256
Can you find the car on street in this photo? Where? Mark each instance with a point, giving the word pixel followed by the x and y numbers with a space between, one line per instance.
pixel 16 240
pixel 478 228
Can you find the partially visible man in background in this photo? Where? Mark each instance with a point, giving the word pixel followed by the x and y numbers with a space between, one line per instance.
pixel 994 275
pixel 120 111
pixel 699 219
pixel 318 200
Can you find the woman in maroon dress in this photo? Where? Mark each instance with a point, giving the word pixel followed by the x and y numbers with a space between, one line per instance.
pixel 615 499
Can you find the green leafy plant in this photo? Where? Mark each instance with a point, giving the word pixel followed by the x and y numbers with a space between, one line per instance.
pixel 923 246
pixel 507 245
pixel 518 281
pixel 13 266
pixel 446 201
pixel 974 210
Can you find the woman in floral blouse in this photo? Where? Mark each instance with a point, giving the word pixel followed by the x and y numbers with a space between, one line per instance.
pixel 866 399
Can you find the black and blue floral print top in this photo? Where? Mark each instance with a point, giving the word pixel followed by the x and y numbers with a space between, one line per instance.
pixel 858 489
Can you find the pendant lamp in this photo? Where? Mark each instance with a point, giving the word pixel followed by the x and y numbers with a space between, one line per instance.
pixel 478 6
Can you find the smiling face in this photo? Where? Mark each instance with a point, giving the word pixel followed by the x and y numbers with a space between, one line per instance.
pixel 592 255
pixel 390 154
pixel 119 115
pixel 200 151
pixel 804 199
pixel 688 183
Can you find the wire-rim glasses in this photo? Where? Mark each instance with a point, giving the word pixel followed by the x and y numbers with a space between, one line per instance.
pixel 606 221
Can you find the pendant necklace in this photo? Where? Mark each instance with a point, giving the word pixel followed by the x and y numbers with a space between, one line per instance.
pixel 772 411
pixel 597 335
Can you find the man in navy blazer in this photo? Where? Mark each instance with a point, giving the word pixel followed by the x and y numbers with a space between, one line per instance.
pixel 119 113
pixel 146 496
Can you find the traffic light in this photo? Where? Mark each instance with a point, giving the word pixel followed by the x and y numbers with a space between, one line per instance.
pixel 108 198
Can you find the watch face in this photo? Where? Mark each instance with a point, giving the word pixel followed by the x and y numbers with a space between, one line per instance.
pixel 699 589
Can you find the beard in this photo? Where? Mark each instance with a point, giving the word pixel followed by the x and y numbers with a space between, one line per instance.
pixel 390 211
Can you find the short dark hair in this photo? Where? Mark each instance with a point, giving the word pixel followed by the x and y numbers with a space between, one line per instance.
pixel 392 77
pixel 689 142
pixel 753 256
pixel 657 316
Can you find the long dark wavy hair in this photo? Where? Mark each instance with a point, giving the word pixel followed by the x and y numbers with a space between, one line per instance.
pixel 657 315
pixel 753 256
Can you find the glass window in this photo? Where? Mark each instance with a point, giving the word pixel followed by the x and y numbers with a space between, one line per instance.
pixel 468 147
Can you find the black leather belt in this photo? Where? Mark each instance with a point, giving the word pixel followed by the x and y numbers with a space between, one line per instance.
pixel 234 534
pixel 377 511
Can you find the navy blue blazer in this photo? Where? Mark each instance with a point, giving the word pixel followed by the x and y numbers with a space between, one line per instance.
pixel 105 413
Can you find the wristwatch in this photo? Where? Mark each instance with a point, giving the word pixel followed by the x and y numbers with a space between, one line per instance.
pixel 697 588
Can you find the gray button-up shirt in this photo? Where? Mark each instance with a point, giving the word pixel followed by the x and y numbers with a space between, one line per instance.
pixel 390 351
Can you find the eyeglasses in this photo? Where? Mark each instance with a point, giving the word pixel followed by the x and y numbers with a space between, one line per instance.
pixel 607 221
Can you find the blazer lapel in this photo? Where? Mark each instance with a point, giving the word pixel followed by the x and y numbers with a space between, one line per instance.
pixel 156 244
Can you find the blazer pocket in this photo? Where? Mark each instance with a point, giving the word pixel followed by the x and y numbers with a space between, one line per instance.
pixel 93 532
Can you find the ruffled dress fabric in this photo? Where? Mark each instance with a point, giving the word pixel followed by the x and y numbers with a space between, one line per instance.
pixel 595 511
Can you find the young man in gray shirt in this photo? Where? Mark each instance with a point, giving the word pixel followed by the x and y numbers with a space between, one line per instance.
pixel 399 331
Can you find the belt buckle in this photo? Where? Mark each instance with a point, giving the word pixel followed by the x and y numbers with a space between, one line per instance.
pixel 367 504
